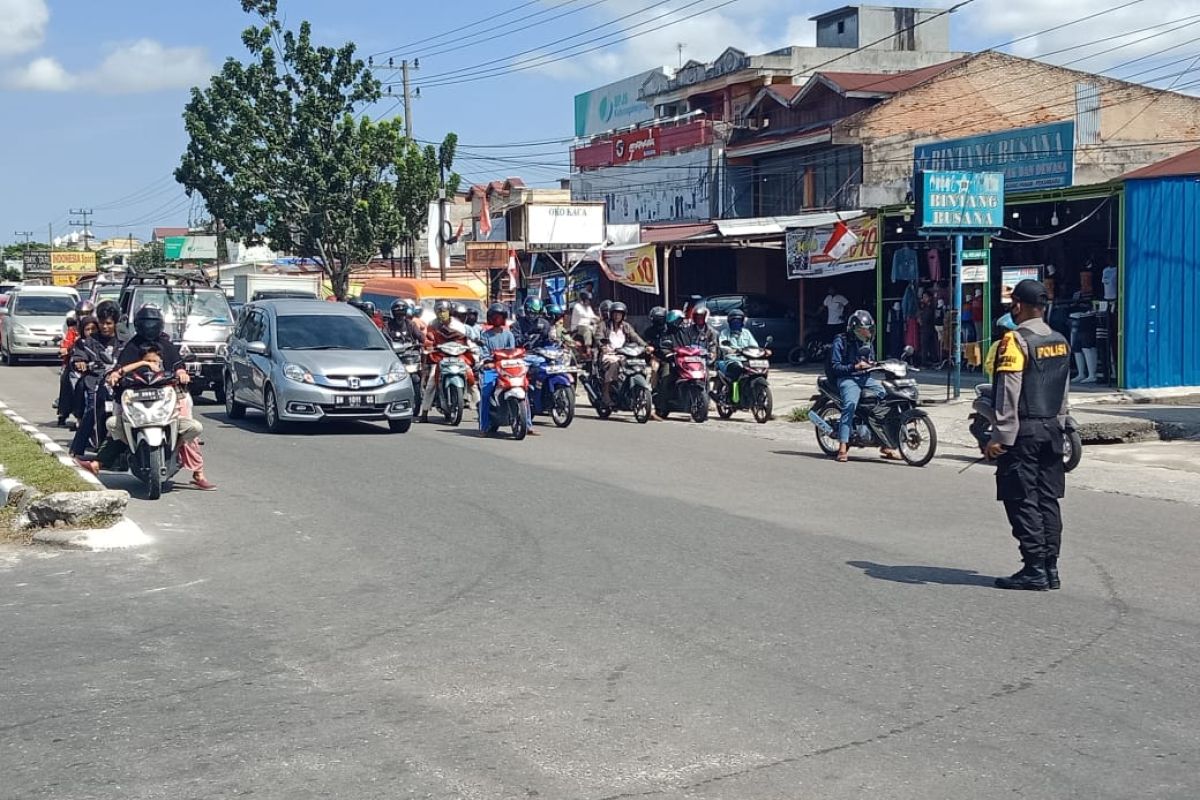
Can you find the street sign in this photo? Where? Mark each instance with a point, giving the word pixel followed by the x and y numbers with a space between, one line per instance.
pixel 976 255
pixel 961 201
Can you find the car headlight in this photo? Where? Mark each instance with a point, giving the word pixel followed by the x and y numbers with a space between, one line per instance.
pixel 297 373
pixel 222 350
pixel 18 328
pixel 395 373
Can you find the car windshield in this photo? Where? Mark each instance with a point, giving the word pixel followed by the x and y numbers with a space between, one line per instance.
pixel 177 302
pixel 44 305
pixel 110 292
pixel 472 305
pixel 327 332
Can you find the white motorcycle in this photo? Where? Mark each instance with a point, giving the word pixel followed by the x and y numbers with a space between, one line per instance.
pixel 149 415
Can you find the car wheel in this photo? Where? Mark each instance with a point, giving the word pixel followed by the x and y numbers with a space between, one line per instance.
pixel 233 409
pixel 271 409
pixel 399 425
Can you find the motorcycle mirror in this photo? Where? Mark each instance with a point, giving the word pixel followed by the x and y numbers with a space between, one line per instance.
pixel 907 352
pixel 769 341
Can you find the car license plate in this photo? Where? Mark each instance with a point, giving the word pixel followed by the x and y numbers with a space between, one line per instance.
pixel 194 367
pixel 354 400
pixel 759 363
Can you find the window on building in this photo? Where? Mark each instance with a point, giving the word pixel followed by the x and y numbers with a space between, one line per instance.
pixel 789 184
pixel 841 26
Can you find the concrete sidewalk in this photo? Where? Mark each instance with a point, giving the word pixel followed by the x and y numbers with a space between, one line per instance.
pixel 1105 416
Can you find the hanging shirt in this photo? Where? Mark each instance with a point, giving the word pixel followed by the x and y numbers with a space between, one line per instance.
pixel 904 265
pixel 910 303
pixel 934 260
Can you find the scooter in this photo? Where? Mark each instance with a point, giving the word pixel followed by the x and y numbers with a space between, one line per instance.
pixel 453 362
pixel 688 390
pixel 891 421
pixel 510 396
pixel 981 428
pixel 631 390
pixel 750 391
pixel 552 387
pixel 149 408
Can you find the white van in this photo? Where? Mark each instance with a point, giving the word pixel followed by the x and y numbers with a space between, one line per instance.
pixel 31 323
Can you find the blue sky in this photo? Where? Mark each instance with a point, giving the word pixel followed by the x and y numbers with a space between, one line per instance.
pixel 91 92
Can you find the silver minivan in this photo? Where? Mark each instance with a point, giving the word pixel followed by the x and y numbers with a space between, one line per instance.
pixel 31 324
pixel 314 361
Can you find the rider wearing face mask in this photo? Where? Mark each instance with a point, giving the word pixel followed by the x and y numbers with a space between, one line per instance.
pixel 734 338
pixel 615 333
pixel 443 329
pixel 850 359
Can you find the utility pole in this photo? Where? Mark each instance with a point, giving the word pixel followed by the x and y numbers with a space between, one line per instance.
pixel 408 97
pixel 26 235
pixel 85 213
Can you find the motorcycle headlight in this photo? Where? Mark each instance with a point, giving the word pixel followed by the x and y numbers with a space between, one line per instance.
pixel 297 373
pixel 395 373
pixel 156 413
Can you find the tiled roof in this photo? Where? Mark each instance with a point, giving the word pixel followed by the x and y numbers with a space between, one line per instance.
pixel 886 83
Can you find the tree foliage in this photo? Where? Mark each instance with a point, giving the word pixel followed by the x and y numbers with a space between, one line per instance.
pixel 151 256
pixel 277 151
pixel 17 250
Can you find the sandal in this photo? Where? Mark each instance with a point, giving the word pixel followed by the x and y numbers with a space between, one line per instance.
pixel 842 458
pixel 890 455
pixel 203 484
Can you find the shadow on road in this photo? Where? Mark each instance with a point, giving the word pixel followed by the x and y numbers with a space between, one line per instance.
pixel 918 575
pixel 862 459
pixel 257 424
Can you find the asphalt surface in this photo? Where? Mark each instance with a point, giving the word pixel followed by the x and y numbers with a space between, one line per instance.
pixel 609 611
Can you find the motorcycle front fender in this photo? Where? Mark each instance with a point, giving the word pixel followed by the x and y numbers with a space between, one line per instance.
pixel 514 394
pixel 153 437
pixel 639 381
pixel 455 380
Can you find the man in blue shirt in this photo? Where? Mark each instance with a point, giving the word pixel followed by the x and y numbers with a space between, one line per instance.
pixel 849 362
pixel 494 336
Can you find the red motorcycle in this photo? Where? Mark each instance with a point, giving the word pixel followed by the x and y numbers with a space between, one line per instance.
pixel 688 384
pixel 509 403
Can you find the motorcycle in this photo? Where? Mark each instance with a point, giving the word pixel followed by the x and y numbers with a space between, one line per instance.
pixel 981 429
pixel 453 361
pixel 816 347
pixel 891 421
pixel 750 391
pixel 149 407
pixel 688 390
pixel 510 396
pixel 553 384
pixel 631 390
pixel 409 354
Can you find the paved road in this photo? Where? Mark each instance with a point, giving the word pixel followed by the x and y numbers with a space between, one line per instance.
pixel 608 611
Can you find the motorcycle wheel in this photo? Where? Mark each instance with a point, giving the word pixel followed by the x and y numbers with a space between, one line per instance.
pixel 761 403
pixel 1072 450
pixel 154 482
pixel 918 438
pixel 723 402
pixel 562 409
pixel 698 404
pixel 798 356
pixel 520 424
pixel 829 442
pixel 454 413
pixel 642 403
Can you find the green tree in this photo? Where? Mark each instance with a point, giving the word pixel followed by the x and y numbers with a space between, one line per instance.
pixel 151 256
pixel 15 251
pixel 419 174
pixel 277 153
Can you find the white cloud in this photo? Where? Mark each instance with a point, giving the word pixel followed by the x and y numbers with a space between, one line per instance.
pixel 22 25
pixel 141 66
pixel 41 75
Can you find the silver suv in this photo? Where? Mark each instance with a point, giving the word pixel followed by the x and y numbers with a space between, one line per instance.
pixel 311 361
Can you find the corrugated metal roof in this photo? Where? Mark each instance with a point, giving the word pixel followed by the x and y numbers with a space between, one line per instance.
pixel 1183 164
pixel 664 234
pixel 769 226
pixel 887 83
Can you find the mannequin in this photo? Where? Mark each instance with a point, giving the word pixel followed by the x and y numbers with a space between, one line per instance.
pixel 1083 344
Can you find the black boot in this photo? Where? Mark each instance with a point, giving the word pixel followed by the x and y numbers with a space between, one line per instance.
pixel 1052 572
pixel 1031 578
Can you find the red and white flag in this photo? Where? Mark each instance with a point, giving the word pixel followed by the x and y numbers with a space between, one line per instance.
pixel 841 241
pixel 485 223
pixel 512 270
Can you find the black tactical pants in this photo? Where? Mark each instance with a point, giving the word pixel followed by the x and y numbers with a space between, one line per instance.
pixel 1029 481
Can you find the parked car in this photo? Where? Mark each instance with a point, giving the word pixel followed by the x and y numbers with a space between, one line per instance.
pixel 764 317
pixel 313 361
pixel 31 323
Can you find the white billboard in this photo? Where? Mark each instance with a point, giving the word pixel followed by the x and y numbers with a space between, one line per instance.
pixel 563 226
pixel 613 106
pixel 662 189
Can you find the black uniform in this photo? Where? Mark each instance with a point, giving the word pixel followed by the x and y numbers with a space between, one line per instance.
pixel 1032 373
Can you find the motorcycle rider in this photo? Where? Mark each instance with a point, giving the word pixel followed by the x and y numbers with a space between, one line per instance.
pixel 559 334
pixel 65 403
pixel 400 325
pixel 1031 395
pixel 584 319
pixel 733 338
pixel 700 333
pixel 673 335
pixel 444 328
pixel 150 347
pixel 614 334
pixel 850 358
pixel 472 323
pixel 533 329
pixel 91 359
pixel 495 336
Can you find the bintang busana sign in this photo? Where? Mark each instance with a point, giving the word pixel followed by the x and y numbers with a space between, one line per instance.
pixel 961 201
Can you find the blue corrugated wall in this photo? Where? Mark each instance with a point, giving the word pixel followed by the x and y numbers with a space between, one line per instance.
pixel 1162 282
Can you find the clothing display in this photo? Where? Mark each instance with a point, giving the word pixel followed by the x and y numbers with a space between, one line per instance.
pixel 895 329
pixel 910 303
pixel 1108 279
pixel 933 259
pixel 912 333
pixel 904 265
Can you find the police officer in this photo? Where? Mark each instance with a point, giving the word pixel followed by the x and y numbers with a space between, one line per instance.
pixel 1030 391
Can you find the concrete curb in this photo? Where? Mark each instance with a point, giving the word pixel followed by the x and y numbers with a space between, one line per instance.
pixel 123 534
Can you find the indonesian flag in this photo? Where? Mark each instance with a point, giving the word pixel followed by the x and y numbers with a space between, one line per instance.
pixel 512 270
pixel 840 242
pixel 485 222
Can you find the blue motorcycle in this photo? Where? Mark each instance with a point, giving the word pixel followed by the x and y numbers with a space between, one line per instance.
pixel 551 384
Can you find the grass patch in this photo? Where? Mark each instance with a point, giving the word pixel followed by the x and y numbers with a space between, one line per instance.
pixel 24 459
pixel 798 414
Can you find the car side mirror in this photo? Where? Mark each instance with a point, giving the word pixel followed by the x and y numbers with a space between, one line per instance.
pixel 258 349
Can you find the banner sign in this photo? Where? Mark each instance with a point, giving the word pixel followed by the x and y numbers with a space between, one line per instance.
pixel 808 250
pixel 68 277
pixel 565 226
pixel 190 248
pixel 487 255
pixel 976 266
pixel 961 201
pixel 1041 157
pixel 636 267
pixel 73 261
pixel 36 263
pixel 617 105
pixel 635 145
pixel 1011 276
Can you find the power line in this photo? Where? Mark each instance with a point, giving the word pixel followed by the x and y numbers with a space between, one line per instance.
pixel 453 31
pixel 506 29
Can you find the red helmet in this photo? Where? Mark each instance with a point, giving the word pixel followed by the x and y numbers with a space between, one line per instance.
pixel 700 315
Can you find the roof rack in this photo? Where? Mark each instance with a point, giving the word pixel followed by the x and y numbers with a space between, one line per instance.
pixel 168 277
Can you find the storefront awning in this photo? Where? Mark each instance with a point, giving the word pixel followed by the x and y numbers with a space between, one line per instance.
pixel 670 234
pixel 777 226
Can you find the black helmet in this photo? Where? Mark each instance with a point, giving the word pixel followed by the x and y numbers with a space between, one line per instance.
pixel 618 306
pixel 107 309
pixel 83 308
pixel 148 322
pixel 658 315
pixel 861 319
pixel 400 310
pixel 497 310
pixel 472 315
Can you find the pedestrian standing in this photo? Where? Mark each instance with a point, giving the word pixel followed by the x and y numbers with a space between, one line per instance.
pixel 1030 395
